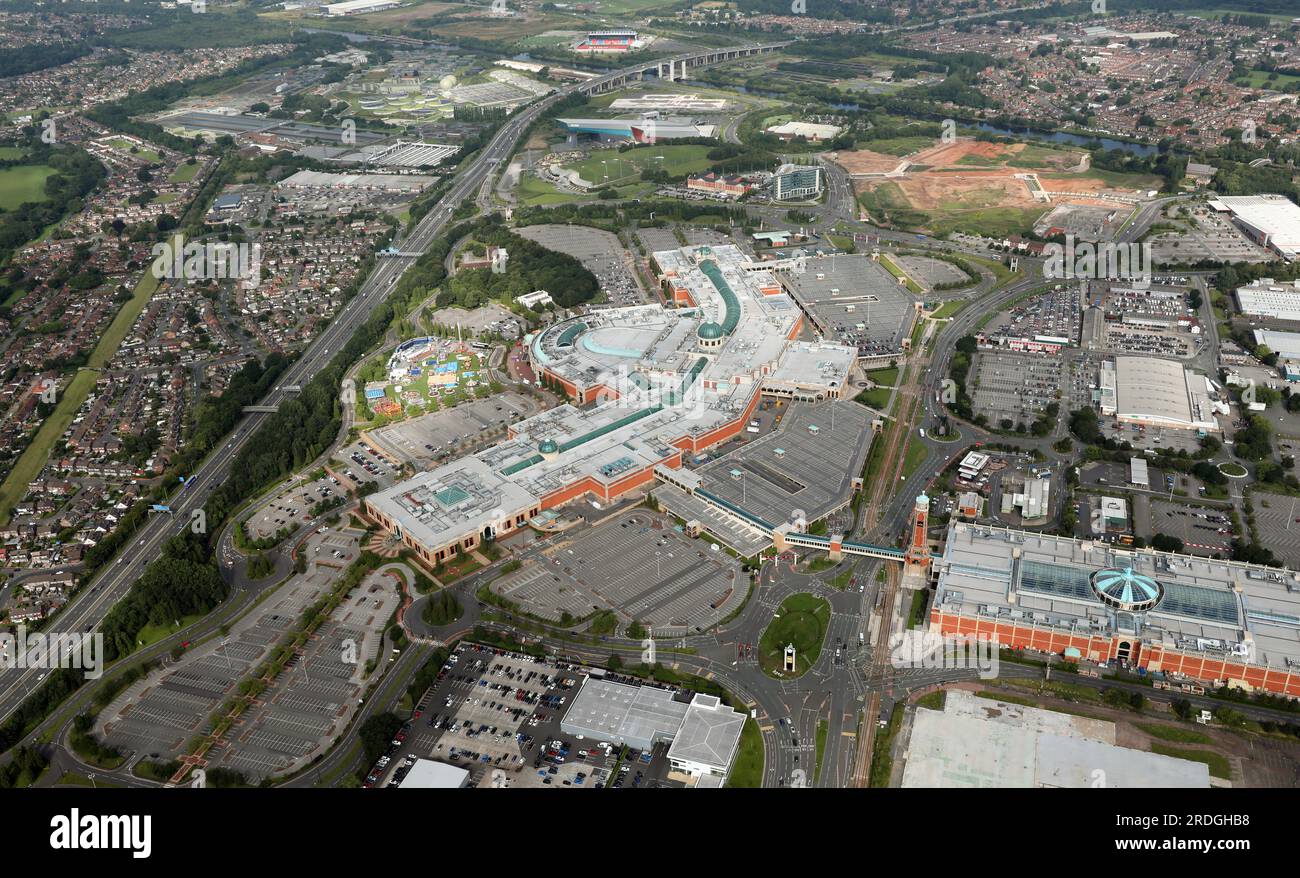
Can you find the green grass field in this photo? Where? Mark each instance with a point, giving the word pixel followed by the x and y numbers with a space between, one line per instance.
pixel 876 398
pixel 801 620
pixel 898 272
pixel 151 634
pixel 887 376
pixel 1176 734
pixel 1217 762
pixel 12 152
pixel 184 173
pixel 747 770
pixel 126 146
pixel 33 458
pixel 123 322
pixel 915 456
pixel 21 184
pixel 621 168
pixel 535 192
pixel 948 309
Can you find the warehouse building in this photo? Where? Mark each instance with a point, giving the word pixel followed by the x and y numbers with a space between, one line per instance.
pixel 357 7
pixel 1266 297
pixel 807 130
pixel 987 743
pixel 1152 392
pixel 1176 617
pixel 1272 221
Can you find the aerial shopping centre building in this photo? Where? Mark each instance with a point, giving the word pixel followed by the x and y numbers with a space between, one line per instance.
pixel 1174 617
pixel 649 384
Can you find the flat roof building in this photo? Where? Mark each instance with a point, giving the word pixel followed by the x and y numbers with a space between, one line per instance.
pixel 1285 344
pixel 638 716
pixel 429 775
pixel 807 130
pixel 981 742
pixel 1269 298
pixel 650 385
pixel 1159 393
pixel 1177 616
pixel 1139 476
pixel 706 742
pixel 704 733
pixel 358 7
pixel 1272 221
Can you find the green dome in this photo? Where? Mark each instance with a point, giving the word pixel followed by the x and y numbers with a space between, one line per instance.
pixel 548 446
pixel 710 330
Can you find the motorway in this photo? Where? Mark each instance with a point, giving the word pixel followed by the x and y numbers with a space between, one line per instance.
pixel 85 611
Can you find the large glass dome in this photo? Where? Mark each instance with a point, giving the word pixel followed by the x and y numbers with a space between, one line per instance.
pixel 1126 589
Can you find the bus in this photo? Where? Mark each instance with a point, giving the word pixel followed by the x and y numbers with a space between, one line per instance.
pixel 480 346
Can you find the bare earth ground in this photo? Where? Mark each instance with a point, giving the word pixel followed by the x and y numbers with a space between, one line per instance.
pixel 864 161
pixel 947 184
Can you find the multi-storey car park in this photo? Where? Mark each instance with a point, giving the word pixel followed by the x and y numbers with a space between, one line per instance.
pixel 1176 616
pixel 655 384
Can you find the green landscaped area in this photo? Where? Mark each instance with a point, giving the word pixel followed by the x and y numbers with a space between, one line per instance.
pixel 1217 762
pixel 151 634
pixel 747 770
pixel 912 286
pixel 123 145
pixel 184 173
pixel 21 184
pixel 623 167
pixel 34 456
pixel 876 398
pixel 948 309
pixel 535 192
pixel 801 620
pixel 123 321
pixel 887 377
pixel 1175 734
pixel 12 152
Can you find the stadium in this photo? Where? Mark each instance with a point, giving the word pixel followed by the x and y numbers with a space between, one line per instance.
pixel 654 384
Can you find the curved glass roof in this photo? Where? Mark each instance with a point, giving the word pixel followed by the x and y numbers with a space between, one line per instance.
pixel 1126 586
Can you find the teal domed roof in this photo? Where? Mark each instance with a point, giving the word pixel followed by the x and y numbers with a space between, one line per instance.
pixel 548 446
pixel 1126 588
pixel 710 330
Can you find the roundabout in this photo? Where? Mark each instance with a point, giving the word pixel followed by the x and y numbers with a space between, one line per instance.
pixel 801 620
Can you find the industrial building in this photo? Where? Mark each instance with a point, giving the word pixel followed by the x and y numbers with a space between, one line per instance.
pixel 987 743
pixel 1152 392
pixel 1176 617
pixel 1266 297
pixel 797 182
pixel 1272 221
pixel 357 7
pixel 1285 344
pixel 643 129
pixel 650 385
pixel 704 733
pixel 806 130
